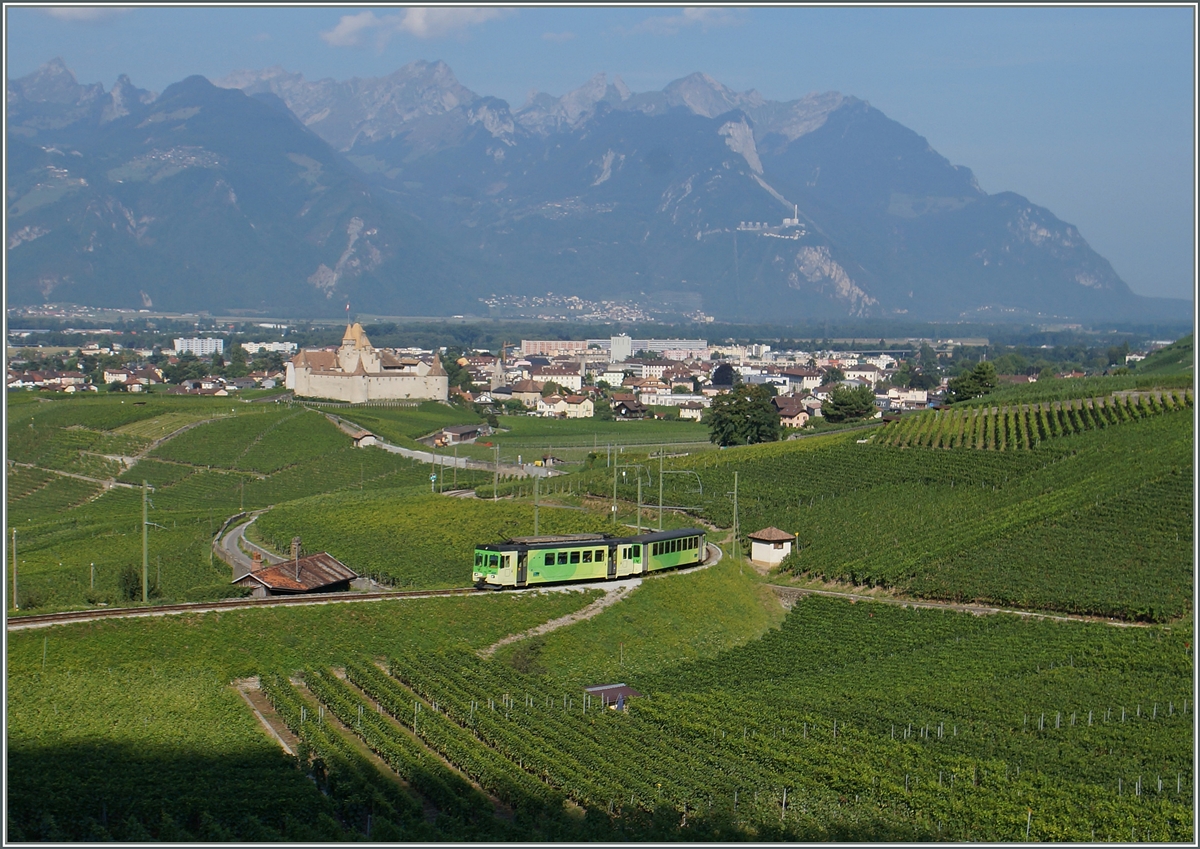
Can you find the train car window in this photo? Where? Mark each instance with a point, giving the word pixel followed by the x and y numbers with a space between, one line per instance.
pixel 549 558
pixel 574 556
pixel 599 555
pixel 562 558
pixel 494 560
pixel 478 560
pixel 637 551
pixel 587 556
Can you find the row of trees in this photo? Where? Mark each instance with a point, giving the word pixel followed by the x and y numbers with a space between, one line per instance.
pixel 746 415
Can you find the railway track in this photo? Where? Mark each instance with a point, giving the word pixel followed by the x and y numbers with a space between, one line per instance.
pixel 45 620
pixel 42 620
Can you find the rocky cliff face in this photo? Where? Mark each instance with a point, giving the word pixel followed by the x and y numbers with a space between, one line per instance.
pixel 368 109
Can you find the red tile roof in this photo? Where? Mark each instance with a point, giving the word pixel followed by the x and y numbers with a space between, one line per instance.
pixel 315 572
pixel 772 535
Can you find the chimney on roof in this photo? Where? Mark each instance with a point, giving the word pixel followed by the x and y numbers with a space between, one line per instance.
pixel 256 562
pixel 296 555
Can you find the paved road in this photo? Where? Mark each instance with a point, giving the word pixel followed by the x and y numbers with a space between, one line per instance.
pixel 232 549
pixel 444 461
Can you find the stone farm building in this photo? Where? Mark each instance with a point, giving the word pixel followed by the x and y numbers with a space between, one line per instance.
pixel 358 372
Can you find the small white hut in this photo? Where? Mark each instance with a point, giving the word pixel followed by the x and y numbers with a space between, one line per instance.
pixel 769 546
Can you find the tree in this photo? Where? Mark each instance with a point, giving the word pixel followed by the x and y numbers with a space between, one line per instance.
pixel 189 367
pixel 237 361
pixel 602 410
pixel 744 416
pixel 928 361
pixel 1117 353
pixel 921 380
pixel 833 375
pixel 724 375
pixel 903 374
pixel 980 380
pixel 846 405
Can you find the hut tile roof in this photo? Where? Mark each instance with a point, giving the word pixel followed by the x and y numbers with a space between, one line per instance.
pixel 772 534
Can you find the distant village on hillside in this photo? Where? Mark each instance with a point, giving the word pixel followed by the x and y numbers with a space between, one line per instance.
pixel 618 377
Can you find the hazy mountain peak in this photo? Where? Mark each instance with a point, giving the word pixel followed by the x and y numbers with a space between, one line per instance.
pixel 53 82
pixel 622 89
pixel 124 97
pixel 372 107
pixel 705 96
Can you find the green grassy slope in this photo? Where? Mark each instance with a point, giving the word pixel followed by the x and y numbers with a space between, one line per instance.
pixel 422 541
pixel 667 620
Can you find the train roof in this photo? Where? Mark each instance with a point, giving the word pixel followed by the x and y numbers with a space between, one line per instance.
pixel 586 540
pixel 659 536
pixel 552 538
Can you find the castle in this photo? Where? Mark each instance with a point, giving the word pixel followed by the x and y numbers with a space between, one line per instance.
pixel 357 372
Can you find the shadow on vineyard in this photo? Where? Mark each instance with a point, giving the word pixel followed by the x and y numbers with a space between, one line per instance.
pixel 130 792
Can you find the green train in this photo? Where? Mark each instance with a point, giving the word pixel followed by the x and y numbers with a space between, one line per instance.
pixel 525 561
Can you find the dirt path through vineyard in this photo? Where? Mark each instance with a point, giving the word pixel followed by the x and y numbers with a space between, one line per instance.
pixel 610 597
pixel 788 596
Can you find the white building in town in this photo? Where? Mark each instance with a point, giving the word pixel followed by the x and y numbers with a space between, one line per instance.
pixel 201 347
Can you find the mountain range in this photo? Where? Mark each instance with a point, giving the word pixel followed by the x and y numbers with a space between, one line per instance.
pixel 410 194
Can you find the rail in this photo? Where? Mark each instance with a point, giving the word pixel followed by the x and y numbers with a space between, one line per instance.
pixel 16 623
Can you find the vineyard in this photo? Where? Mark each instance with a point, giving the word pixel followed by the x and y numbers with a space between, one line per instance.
pixel 425 720
pixel 867 723
pixel 1025 426
pixel 964 524
pixel 131 730
pixel 76 537
pixel 401 426
pixel 422 541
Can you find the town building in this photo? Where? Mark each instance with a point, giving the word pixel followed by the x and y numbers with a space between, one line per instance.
pixel 692 411
pixel 792 411
pixel 200 347
pixel 567 376
pixel 285 348
pixel 358 372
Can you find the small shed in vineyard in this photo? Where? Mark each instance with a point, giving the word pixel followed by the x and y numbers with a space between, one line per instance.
pixel 769 546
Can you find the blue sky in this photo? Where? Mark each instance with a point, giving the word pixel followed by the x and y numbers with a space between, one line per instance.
pixel 1086 111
